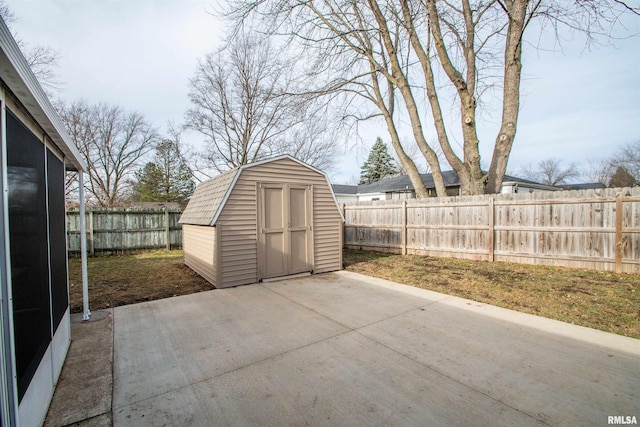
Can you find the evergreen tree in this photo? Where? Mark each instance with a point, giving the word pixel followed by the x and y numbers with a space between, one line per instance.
pixel 166 179
pixel 379 165
pixel 622 178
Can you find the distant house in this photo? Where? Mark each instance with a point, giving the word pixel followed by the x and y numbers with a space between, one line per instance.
pixel 400 187
pixel 345 193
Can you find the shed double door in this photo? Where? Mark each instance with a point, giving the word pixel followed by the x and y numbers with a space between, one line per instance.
pixel 285 229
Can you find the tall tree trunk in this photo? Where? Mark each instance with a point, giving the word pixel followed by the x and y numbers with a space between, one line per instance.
pixel 517 11
pixel 407 163
pixel 403 85
pixel 432 95
pixel 469 171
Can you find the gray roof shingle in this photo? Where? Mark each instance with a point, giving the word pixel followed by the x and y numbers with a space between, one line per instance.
pixel 206 200
pixel 583 186
pixel 344 189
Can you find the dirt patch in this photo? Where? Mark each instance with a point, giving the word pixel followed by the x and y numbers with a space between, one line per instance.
pixel 599 300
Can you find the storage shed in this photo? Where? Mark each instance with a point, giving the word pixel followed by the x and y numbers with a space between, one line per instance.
pixel 274 218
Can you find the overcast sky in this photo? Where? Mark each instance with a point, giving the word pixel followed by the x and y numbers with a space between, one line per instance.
pixel 576 104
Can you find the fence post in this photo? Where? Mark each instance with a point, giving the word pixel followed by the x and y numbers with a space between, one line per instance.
pixel 491 241
pixel 618 255
pixel 404 227
pixel 167 228
pixel 344 224
pixel 341 225
pixel 92 245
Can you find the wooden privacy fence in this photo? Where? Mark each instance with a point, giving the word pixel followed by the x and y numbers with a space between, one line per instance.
pixel 112 230
pixel 593 229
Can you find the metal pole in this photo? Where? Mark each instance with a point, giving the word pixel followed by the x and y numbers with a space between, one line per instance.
pixel 86 314
pixel 8 379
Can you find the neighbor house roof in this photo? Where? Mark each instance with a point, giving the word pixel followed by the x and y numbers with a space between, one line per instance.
pixel 209 198
pixel 584 186
pixel 403 183
pixel 20 80
pixel 344 189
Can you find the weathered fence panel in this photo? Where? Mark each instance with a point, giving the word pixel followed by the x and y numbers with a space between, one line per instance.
pixel 112 230
pixel 593 229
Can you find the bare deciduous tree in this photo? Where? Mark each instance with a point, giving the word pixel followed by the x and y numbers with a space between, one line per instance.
pixel 112 141
pixel 312 141
pixel 42 59
pixel 243 101
pixel 597 170
pixel 406 51
pixel 6 14
pixel 551 172
pixel 628 156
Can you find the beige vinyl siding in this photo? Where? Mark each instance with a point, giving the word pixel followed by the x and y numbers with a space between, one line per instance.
pixel 238 221
pixel 199 244
pixel 327 231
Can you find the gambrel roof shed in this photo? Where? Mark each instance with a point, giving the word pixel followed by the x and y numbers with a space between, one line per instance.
pixel 273 218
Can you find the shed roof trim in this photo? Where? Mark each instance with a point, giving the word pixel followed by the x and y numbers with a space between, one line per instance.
pixel 18 77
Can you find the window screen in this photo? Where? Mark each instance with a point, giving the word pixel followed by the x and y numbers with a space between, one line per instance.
pixel 29 260
pixel 57 240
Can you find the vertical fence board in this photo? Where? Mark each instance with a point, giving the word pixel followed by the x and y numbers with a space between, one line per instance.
pixel 591 229
pixel 619 218
pixel 114 230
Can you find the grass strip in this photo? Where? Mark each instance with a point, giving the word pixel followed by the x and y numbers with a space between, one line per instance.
pixel 600 300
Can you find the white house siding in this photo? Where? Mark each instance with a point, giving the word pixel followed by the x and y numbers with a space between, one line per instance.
pixel 367 197
pixel 519 187
pixel 346 198
pixel 238 221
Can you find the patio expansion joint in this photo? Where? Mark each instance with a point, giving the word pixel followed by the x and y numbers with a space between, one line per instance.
pixel 352 329
pixel 88 419
pixel 275 356
pixel 239 368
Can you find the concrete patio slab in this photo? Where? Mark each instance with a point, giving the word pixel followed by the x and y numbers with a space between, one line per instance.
pixel 84 390
pixel 180 341
pixel 345 380
pixel 346 349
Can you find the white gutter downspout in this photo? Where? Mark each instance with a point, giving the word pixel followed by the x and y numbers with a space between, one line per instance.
pixel 86 314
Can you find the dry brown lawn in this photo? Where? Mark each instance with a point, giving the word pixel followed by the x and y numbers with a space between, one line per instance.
pixel 127 279
pixel 606 301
